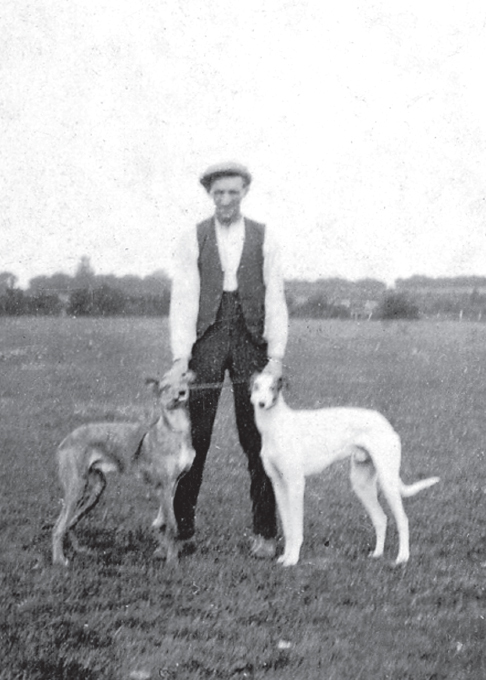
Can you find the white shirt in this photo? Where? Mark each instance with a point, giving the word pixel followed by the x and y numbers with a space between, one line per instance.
pixel 230 247
pixel 184 306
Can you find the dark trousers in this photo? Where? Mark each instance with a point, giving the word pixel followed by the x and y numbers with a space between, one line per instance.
pixel 226 346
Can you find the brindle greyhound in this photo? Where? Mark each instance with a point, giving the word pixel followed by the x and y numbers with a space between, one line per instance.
pixel 159 453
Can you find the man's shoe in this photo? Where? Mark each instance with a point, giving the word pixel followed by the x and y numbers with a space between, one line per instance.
pixel 263 548
pixel 187 546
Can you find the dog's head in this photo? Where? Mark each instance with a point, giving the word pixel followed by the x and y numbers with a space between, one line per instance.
pixel 172 392
pixel 264 390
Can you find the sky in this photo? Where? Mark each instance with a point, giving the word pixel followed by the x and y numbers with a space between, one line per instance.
pixel 363 124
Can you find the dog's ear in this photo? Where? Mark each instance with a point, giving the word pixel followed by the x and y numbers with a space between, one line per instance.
pixel 254 376
pixel 190 376
pixel 155 384
pixel 165 382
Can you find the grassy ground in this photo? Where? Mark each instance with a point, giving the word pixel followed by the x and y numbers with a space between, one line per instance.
pixel 220 614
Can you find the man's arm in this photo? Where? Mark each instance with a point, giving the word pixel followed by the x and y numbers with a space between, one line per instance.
pixel 276 312
pixel 184 303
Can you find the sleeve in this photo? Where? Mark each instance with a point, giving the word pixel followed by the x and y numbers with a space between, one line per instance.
pixel 276 312
pixel 184 304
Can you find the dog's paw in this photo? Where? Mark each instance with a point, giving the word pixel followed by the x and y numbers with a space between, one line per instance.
pixel 61 562
pixel 160 553
pixel 375 555
pixel 287 560
pixel 169 553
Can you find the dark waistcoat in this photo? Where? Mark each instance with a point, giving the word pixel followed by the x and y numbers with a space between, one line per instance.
pixel 251 285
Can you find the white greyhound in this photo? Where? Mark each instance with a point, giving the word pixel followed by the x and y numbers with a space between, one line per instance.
pixel 298 443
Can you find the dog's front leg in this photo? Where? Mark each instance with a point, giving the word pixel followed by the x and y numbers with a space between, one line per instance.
pixel 167 528
pixel 292 502
pixel 281 498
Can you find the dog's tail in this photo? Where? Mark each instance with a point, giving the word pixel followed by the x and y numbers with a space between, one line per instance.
pixel 407 490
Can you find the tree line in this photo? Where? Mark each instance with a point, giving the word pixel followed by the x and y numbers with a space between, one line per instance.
pixel 86 294
pixel 90 294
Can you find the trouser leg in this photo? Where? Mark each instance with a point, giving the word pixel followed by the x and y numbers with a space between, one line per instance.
pixel 246 359
pixel 209 356
pixel 227 344
pixel 261 490
pixel 202 407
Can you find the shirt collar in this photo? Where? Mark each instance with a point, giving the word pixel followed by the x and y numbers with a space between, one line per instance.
pixel 234 226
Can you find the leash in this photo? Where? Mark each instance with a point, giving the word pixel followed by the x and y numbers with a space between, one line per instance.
pixel 219 385
pixel 216 385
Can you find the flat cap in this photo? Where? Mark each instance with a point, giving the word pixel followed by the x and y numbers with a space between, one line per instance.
pixel 223 170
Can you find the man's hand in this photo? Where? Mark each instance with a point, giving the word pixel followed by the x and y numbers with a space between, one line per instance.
pixel 274 368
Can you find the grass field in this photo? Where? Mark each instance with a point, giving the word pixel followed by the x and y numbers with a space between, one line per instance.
pixel 220 614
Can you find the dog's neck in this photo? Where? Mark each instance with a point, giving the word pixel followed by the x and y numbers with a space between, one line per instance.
pixel 176 419
pixel 278 401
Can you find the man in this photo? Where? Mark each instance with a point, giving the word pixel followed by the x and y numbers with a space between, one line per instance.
pixel 228 313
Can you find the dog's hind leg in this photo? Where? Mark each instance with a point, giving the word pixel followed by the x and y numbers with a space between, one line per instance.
pixel 59 532
pixel 391 491
pixel 364 482
pixel 388 470
pixel 94 487
pixel 80 495
pixel 73 494
pixel 159 521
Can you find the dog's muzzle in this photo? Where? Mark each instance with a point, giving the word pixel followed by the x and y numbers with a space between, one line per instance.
pixel 180 399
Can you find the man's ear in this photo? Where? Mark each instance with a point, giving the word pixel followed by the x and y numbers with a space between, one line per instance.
pixel 252 380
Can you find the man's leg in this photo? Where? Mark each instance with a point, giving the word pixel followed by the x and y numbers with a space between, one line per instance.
pixel 202 408
pixel 261 490
pixel 208 363
pixel 248 358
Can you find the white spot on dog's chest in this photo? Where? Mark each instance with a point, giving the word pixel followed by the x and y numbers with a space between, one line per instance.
pixel 187 454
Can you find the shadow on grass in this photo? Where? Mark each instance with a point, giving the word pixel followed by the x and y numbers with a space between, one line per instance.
pixel 55 669
pixel 112 547
pixel 59 648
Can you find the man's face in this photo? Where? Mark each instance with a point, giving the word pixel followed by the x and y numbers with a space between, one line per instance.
pixel 227 194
